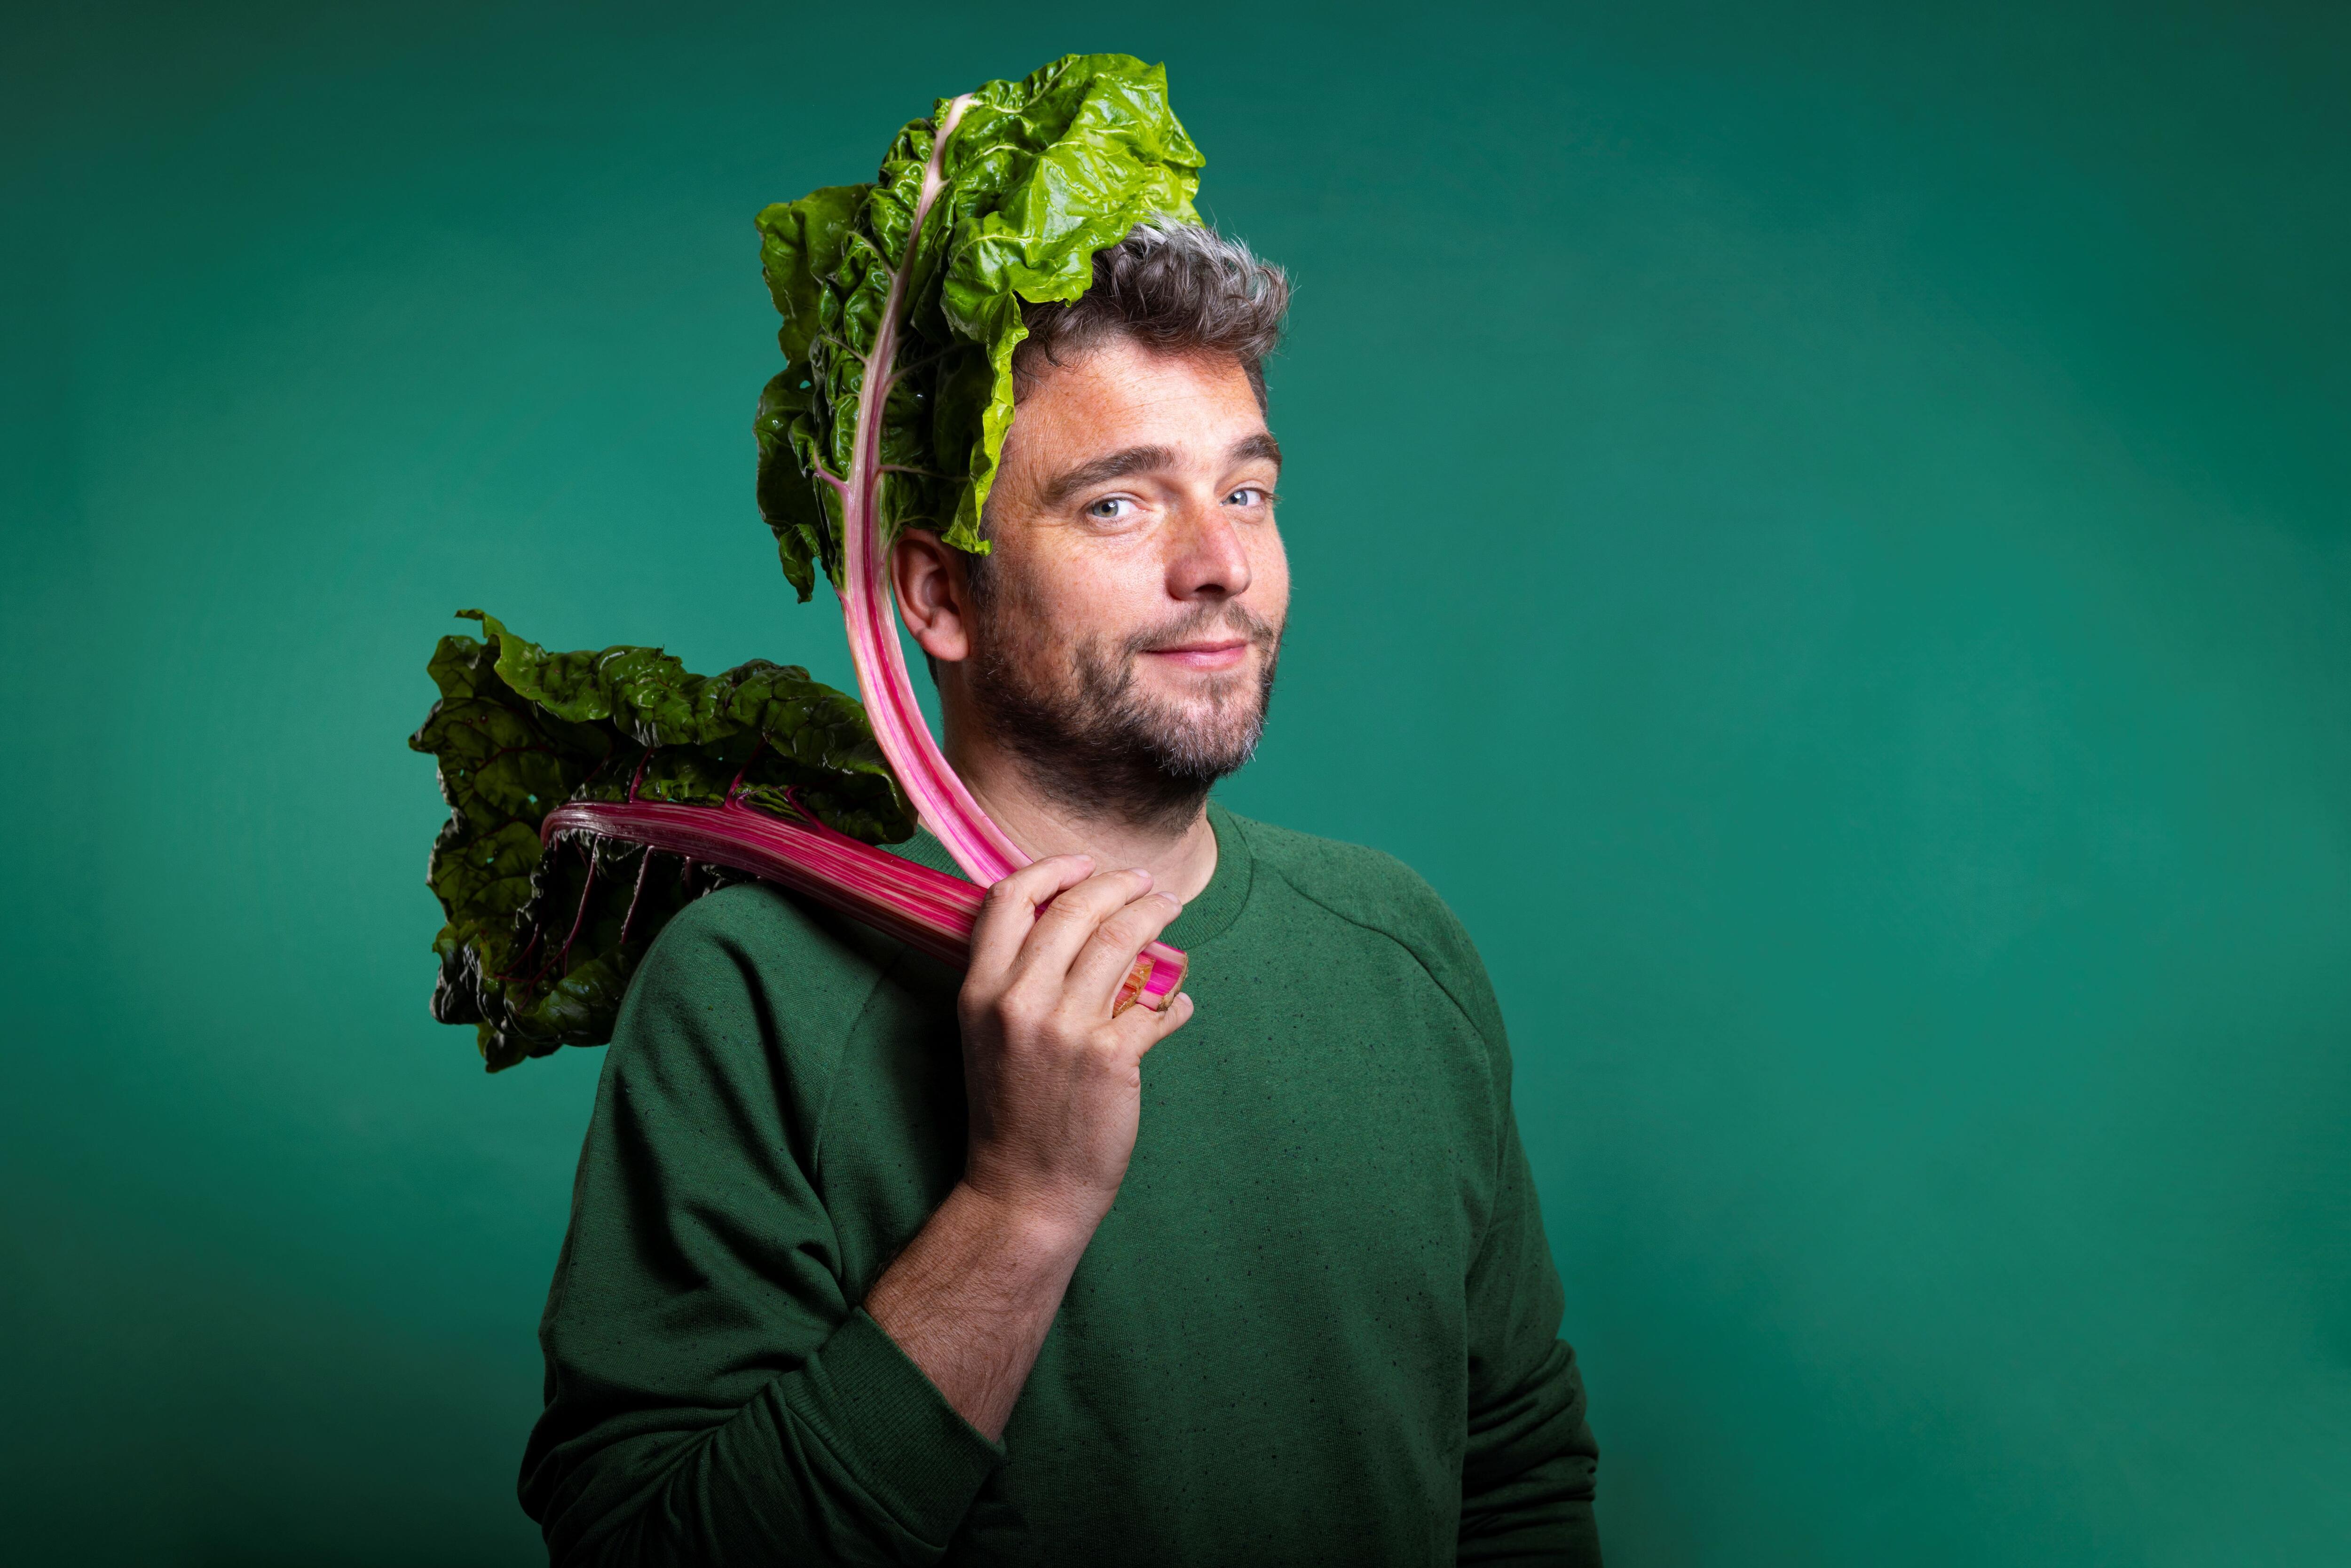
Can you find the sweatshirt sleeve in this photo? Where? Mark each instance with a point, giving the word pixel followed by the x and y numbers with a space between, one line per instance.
pixel 1527 1472
pixel 712 1394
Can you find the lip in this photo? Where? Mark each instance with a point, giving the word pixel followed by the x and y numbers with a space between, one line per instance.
pixel 1222 653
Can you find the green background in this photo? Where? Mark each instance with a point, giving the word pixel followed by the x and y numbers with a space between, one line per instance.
pixel 1820 529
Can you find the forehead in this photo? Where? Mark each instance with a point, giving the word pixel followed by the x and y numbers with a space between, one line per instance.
pixel 1121 395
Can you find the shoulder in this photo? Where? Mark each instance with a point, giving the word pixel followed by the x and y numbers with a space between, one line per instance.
pixel 749 982
pixel 1364 884
pixel 1373 890
pixel 758 936
pixel 748 912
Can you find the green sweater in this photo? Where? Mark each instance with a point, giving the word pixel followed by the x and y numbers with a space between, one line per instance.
pixel 1319 1326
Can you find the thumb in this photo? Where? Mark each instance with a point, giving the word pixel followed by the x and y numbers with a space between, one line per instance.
pixel 1153 1028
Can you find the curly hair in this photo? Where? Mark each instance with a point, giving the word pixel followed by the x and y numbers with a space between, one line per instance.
pixel 1173 286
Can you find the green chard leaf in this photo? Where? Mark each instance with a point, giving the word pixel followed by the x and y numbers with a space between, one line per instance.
pixel 1039 175
pixel 539 943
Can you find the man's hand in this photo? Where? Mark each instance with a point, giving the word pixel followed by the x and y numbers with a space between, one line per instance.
pixel 1055 1080
pixel 1055 1084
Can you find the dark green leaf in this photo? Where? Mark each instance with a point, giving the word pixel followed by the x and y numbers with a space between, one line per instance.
pixel 532 953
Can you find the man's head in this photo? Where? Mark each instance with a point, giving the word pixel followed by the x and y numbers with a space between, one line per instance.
pixel 1118 643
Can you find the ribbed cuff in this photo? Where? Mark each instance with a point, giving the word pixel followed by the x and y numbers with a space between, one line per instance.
pixel 890 1428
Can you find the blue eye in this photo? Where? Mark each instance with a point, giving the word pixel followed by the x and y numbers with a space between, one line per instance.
pixel 1246 496
pixel 1108 508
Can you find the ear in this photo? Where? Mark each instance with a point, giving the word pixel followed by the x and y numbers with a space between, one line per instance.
pixel 933 599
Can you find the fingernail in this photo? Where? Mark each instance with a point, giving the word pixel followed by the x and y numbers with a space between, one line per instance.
pixel 1173 902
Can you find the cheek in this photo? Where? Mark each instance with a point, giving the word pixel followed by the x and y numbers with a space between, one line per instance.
pixel 1098 593
pixel 1081 596
pixel 1270 574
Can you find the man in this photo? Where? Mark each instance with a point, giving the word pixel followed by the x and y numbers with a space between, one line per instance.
pixel 875 1263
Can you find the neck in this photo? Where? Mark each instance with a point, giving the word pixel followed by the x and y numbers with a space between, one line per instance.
pixel 1180 855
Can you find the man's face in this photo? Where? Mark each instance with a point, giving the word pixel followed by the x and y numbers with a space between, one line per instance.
pixel 1128 619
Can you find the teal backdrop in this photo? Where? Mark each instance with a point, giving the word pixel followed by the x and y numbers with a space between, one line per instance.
pixel 1820 528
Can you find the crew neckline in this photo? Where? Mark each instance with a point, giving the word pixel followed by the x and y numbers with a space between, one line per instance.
pixel 1205 919
pixel 1218 904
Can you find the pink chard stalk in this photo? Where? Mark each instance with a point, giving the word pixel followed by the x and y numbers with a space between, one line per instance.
pixel 570 775
pixel 900 304
pixel 869 609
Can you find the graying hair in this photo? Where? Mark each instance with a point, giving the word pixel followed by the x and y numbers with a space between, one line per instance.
pixel 1175 285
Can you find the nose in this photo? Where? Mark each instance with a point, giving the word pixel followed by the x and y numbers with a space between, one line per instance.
pixel 1206 557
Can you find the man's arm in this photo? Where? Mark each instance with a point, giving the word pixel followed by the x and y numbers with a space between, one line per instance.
pixel 1056 1090
pixel 1527 1471
pixel 1528 1463
pixel 714 1395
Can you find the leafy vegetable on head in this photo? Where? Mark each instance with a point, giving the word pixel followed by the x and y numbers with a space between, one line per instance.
pixel 541 940
pixel 902 303
pixel 592 795
pixel 910 290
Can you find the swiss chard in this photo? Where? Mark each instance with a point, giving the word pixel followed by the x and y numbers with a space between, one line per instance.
pixel 906 293
pixel 591 795
pixel 542 935
pixel 902 307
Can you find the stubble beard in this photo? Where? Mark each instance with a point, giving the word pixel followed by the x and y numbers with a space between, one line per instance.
pixel 1069 712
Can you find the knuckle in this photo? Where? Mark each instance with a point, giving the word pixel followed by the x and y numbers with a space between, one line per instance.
pixel 1115 939
pixel 1021 1009
pixel 1112 888
pixel 1063 910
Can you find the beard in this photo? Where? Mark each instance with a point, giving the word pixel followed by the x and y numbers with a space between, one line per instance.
pixel 1070 713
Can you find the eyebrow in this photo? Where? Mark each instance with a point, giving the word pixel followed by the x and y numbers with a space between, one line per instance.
pixel 1117 465
pixel 1143 459
pixel 1260 446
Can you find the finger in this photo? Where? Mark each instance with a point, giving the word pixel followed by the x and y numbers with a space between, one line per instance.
pixel 1140 1028
pixel 1010 914
pixel 1065 927
pixel 1103 965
